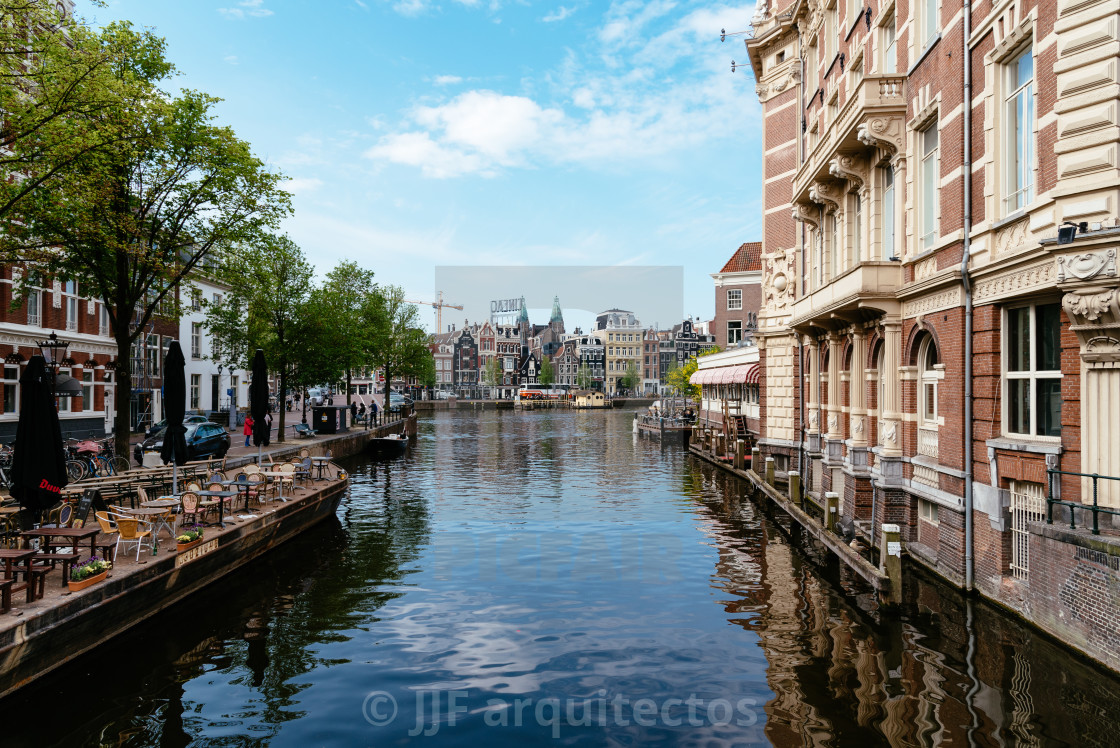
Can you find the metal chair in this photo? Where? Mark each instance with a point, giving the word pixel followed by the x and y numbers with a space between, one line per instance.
pixel 132 530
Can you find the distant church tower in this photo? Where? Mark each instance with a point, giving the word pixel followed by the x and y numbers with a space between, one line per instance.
pixel 523 328
pixel 556 321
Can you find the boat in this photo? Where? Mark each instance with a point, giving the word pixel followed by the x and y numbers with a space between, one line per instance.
pixel 393 445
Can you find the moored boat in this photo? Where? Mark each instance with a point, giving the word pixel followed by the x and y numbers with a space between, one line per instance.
pixel 393 445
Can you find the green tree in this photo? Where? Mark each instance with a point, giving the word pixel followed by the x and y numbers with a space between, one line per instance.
pixel 400 347
pixel 132 221
pixel 678 376
pixel 270 295
pixel 547 374
pixel 631 378
pixel 583 377
pixel 348 297
pixel 492 373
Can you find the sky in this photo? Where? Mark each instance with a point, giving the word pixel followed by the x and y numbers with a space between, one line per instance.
pixel 424 133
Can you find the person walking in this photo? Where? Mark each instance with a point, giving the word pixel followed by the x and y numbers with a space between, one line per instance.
pixel 373 411
pixel 353 412
pixel 248 430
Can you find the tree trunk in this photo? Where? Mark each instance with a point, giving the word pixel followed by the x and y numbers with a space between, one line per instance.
pixel 123 381
pixel 348 387
pixel 281 404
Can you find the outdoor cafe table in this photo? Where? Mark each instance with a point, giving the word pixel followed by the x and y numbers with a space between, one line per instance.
pixel 238 484
pixel 74 534
pixel 320 463
pixel 155 515
pixel 12 557
pixel 279 476
pixel 221 496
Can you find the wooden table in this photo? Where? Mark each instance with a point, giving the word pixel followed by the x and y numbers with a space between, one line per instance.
pixel 73 534
pixel 280 476
pixel 12 557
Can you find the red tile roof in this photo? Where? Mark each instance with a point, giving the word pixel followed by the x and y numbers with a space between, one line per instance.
pixel 747 257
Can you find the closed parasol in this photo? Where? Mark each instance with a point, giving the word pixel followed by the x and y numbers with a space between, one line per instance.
pixel 38 464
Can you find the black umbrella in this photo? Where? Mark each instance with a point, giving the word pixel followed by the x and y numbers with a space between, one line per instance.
pixel 258 401
pixel 174 448
pixel 38 464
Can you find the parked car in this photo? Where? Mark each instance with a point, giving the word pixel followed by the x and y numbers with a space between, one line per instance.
pixel 397 401
pixel 159 427
pixel 203 440
pixel 444 394
pixel 316 396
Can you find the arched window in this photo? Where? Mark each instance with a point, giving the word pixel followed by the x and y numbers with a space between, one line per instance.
pixel 928 377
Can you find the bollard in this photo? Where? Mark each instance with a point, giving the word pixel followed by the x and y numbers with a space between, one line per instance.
pixel 795 488
pixel 756 459
pixel 740 452
pixel 890 563
pixel 770 471
pixel 831 510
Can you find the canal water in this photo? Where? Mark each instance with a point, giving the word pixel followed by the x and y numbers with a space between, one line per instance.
pixel 543 577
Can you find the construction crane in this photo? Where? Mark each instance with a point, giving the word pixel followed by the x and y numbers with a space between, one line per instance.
pixel 438 305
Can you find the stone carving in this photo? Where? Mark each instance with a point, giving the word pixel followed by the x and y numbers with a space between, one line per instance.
pixel 807 213
pixel 885 133
pixel 812 419
pixel 1090 306
pixel 890 434
pixel 1095 313
pixel 946 299
pixel 1087 266
pixel 1036 276
pixel 56 295
pixel 847 167
pixel 827 194
pixel 778 287
pixel 925 268
pixel 833 423
pixel 1011 237
pixel 857 425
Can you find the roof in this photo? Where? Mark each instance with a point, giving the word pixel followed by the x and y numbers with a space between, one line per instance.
pixel 747 258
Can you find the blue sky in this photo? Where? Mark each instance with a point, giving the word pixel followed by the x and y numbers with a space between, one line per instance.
pixel 487 132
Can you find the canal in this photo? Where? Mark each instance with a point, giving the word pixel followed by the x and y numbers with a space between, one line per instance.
pixel 520 578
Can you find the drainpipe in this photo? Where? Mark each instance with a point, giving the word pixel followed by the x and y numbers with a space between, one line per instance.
pixel 969 562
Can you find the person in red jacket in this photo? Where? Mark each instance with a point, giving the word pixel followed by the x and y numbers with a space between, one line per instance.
pixel 248 431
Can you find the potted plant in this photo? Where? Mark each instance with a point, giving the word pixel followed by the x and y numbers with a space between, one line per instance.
pixel 89 572
pixel 188 538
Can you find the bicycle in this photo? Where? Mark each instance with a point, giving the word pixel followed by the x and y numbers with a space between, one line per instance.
pixel 89 458
pixel 6 453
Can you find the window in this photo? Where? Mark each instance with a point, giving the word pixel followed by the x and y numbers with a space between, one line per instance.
pixel 831 34
pixel 734 332
pixel 71 306
pixel 196 299
pixel 887 175
pixel 152 355
pixel 11 389
pixel 928 377
pixel 927 145
pixel 833 245
pixel 87 390
pixel 927 511
pixel 857 227
pixel 67 404
pixel 103 327
pixel 34 307
pixel 196 340
pixel 890 45
pixel 927 22
pixel 735 299
pixel 196 390
pixel 1019 131
pixel 1034 376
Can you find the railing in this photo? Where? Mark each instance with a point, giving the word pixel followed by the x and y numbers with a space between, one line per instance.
pixel 927 443
pixel 1095 508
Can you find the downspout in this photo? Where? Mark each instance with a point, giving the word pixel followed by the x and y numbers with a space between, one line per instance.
pixel 969 561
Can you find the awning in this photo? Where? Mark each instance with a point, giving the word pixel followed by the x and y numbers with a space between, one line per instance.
pixel 754 371
pixel 700 376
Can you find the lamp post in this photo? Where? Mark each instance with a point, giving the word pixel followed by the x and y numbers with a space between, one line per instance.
pixel 54 351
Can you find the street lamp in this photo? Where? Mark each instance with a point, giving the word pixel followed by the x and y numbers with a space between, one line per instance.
pixel 54 353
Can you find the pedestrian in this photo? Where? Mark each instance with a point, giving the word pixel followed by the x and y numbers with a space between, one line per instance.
pixel 248 430
pixel 373 411
pixel 353 412
pixel 267 426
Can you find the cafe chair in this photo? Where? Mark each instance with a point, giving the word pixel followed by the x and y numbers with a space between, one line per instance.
pixel 132 530
pixel 189 507
pixel 109 528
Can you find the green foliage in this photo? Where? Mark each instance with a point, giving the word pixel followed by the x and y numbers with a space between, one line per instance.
pixel 492 372
pixel 400 347
pixel 583 377
pixel 348 298
pixel 632 378
pixel 678 376
pixel 547 374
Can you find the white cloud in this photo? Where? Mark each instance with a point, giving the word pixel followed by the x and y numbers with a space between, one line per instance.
pixel 246 9
pixel 652 83
pixel 447 80
pixel 231 59
pixel 410 7
pixel 301 185
pixel 559 14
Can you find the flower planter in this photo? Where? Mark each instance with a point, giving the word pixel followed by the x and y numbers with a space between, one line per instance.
pixel 180 547
pixel 76 586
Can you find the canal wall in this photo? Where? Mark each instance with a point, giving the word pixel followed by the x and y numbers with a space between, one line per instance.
pixel 1072 592
pixel 456 404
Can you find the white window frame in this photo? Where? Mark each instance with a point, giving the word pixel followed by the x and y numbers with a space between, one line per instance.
pixel 87 390
pixel 196 391
pixel 929 379
pixel 856 238
pixel 734 299
pixel 10 378
pixel 70 293
pixel 1018 132
pixel 888 35
pixel 889 228
pixel 34 307
pixel 1033 375
pixel 929 512
pixel 928 18
pixel 196 340
pixel 738 331
pixel 929 185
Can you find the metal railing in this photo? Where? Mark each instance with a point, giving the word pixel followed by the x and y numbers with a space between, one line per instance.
pixel 1095 508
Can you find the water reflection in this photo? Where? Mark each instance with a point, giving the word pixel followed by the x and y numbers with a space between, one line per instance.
pixel 556 558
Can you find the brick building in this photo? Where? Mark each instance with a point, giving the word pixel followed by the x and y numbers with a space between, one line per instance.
pixel 940 320
pixel 738 287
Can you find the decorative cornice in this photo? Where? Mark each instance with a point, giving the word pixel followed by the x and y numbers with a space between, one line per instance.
pixel 946 299
pixel 886 133
pixel 1028 279
pixel 849 168
pixel 807 213
pixel 827 194
pixel 1087 266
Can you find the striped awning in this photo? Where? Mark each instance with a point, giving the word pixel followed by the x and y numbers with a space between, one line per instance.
pixel 754 371
pixel 744 374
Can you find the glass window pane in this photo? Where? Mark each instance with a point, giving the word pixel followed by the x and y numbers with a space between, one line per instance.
pixel 930 401
pixel 1018 339
pixel 1048 326
pixel 1049 407
pixel 1019 406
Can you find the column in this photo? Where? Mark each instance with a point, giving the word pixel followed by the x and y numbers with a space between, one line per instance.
pixel 812 407
pixel 857 387
pixel 900 244
pixel 835 342
pixel 890 396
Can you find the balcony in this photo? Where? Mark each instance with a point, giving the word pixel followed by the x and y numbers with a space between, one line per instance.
pixel 866 290
pixel 873 116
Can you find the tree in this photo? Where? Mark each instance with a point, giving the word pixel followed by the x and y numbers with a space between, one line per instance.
pixel 400 346
pixel 583 377
pixel 631 379
pixel 270 280
pixel 547 374
pixel 678 376
pixel 132 220
pixel 348 297
pixel 492 373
